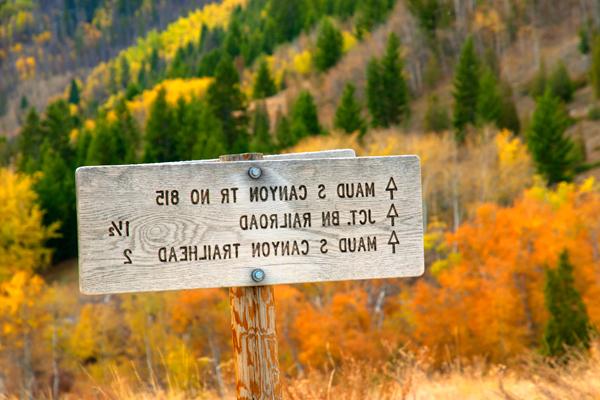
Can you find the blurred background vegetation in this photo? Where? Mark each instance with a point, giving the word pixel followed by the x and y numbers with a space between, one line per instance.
pixel 499 98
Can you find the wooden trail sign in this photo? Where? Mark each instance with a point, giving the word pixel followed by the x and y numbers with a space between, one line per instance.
pixel 168 226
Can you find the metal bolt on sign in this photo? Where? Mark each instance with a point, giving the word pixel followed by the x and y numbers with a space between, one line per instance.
pixel 255 172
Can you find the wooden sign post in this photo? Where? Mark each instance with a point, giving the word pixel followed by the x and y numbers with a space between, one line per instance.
pixel 248 223
pixel 254 335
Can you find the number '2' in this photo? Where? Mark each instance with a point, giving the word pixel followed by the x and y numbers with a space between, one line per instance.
pixel 127 253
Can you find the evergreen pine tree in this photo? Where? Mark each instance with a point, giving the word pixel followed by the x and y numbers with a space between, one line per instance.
pixel 125 75
pixel 160 139
pixel 305 119
pixel 584 39
pixel 375 90
pixel 264 86
pixel 283 132
pixel 112 85
pixel 395 90
pixel 56 192
pixel 466 89
pixel 261 141
pixel 155 69
pixel 560 83
pixel 188 117
pixel 127 133
pixel 102 149
pixel 30 142
pixel 142 78
pixel 74 92
pixel 210 140
pixel 370 13
pixel 489 99
pixel 551 150
pixel 568 325
pixel 228 104
pixel 24 103
pixel 387 91
pixel 329 46
pixel 348 114
pixel 83 145
pixel 57 127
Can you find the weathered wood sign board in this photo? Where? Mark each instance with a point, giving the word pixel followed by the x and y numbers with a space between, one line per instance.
pixel 168 226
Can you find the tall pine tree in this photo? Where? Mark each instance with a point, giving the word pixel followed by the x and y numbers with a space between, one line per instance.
pixel 161 138
pixel 551 150
pixel 30 142
pixel 305 118
pixel 374 93
pixel 209 139
pixel 568 325
pixel 395 91
pixel 74 92
pixel 329 46
pixel 466 89
pixel 283 132
pixel 261 141
pixel 387 91
pixel 489 98
pixel 229 105
pixel 348 114
pixel 264 85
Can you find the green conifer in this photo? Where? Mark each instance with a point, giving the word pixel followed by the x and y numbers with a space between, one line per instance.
pixel 387 91
pixel 551 149
pixel 261 141
pixel 210 139
pixel 56 192
pixel 329 46
pixel 466 89
pixel 560 83
pixel 127 132
pixel 489 99
pixel 283 132
pixel 103 149
pixel 57 127
pixel 375 90
pixel 395 90
pixel 125 72
pixel 305 119
pixel 160 139
pixel 228 103
pixel 568 325
pixel 74 92
pixel 348 114
pixel 30 142
pixel 264 85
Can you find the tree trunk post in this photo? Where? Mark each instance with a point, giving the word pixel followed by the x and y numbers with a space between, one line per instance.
pixel 253 333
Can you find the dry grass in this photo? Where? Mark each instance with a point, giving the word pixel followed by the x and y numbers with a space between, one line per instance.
pixel 409 377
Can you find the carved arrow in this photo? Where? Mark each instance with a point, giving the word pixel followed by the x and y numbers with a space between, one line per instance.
pixel 393 241
pixel 391 187
pixel 392 213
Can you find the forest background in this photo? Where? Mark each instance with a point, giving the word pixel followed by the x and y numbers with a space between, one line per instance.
pixel 499 98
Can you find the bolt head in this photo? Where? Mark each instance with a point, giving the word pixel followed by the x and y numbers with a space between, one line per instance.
pixel 254 172
pixel 258 275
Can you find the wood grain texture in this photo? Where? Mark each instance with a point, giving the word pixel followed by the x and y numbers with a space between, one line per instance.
pixel 128 193
pixel 255 343
pixel 253 332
